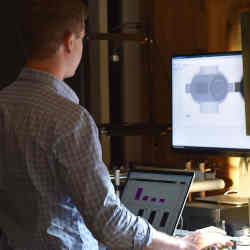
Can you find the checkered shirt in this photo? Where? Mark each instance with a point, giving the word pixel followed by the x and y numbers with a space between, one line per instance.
pixel 55 190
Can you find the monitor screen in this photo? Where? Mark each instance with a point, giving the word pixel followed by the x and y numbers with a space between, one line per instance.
pixel 208 107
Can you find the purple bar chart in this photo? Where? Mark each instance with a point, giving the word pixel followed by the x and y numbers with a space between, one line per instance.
pixel 140 196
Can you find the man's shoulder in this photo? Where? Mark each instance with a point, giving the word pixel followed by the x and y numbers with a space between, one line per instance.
pixel 69 109
pixel 72 115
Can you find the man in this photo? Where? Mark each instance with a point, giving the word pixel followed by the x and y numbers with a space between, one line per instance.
pixel 55 189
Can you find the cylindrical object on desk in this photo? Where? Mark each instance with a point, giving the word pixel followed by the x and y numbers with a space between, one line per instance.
pixel 188 165
pixel 117 182
pixel 223 225
pixel 202 167
pixel 249 211
pixel 117 177
pixel 209 185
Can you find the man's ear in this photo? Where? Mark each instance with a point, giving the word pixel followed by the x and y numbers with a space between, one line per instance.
pixel 69 42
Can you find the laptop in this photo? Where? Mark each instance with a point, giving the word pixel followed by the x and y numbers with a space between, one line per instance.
pixel 158 196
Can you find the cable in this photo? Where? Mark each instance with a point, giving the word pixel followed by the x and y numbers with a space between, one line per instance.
pixel 181 223
pixel 230 191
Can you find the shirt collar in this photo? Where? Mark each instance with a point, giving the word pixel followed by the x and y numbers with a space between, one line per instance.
pixel 61 87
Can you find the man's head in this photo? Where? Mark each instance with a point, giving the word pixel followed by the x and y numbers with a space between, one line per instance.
pixel 50 25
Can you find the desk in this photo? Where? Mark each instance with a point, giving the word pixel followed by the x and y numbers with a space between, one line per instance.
pixel 202 214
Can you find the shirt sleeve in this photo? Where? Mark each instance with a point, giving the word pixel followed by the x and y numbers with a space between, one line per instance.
pixel 87 181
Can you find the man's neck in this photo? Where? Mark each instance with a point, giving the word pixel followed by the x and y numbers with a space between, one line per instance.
pixel 49 66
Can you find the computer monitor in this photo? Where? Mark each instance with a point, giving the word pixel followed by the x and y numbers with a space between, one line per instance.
pixel 208 106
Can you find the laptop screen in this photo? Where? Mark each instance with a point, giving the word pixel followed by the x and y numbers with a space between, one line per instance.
pixel 158 196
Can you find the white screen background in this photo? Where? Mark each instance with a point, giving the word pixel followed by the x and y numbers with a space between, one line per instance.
pixel 192 128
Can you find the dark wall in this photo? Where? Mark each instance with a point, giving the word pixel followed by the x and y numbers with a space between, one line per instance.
pixel 12 57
